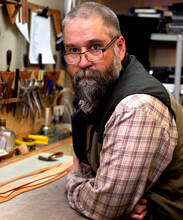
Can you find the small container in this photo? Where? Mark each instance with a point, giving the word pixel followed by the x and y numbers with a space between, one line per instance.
pixel 7 140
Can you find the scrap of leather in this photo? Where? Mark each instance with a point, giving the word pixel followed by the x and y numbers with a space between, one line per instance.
pixel 35 179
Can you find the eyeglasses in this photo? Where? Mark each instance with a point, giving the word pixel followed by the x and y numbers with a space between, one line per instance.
pixel 91 54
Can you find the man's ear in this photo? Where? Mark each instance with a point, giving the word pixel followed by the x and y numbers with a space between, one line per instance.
pixel 121 47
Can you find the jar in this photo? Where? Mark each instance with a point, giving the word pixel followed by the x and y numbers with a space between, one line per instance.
pixel 7 140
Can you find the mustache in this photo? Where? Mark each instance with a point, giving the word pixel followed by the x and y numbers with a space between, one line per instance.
pixel 87 74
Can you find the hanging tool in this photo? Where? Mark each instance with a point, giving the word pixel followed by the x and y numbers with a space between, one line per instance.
pixel 21 104
pixel 15 91
pixel 26 88
pixel 8 77
pixel 49 86
pixel 35 96
pixel 8 60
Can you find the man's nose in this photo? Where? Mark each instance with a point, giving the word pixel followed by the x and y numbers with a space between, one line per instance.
pixel 84 61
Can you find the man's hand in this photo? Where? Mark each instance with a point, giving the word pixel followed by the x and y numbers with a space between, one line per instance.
pixel 139 211
pixel 75 166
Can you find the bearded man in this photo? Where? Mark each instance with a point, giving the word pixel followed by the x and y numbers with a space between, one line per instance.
pixel 125 135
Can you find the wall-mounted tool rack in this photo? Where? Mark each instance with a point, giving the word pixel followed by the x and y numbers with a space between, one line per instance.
pixel 26 125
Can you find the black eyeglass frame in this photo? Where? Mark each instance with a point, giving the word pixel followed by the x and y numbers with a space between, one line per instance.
pixel 102 49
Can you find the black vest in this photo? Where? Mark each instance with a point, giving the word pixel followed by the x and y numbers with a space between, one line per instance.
pixel 165 198
pixel 134 79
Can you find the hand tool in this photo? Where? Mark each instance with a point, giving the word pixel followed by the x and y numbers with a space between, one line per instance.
pixel 40 66
pixel 29 102
pixel 15 92
pixel 8 77
pixel 35 99
pixel 8 59
pixel 49 86
pixel 55 92
pixel 30 142
pixel 21 104
pixel 39 89
pixel 54 65
pixel 25 61
pixel 52 157
pixel 41 76
pixel 38 137
pixel 26 86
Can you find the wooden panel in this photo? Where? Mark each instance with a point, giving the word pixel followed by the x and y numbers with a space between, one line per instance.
pixel 26 126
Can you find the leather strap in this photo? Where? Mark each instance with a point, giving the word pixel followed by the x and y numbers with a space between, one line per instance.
pixel 29 174
pixel 43 176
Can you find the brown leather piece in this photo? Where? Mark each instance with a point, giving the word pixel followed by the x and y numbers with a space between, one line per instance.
pixel 37 178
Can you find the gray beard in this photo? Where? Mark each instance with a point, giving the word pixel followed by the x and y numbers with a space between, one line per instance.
pixel 94 85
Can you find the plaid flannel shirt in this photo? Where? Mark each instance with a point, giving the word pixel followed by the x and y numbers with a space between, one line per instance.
pixel 139 140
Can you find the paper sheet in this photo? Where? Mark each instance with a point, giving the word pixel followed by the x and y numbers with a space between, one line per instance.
pixel 40 40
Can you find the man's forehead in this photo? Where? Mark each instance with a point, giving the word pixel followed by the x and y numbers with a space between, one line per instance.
pixel 90 30
pixel 80 23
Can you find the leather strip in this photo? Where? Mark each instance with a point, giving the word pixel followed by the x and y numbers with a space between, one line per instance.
pixel 29 174
pixel 47 175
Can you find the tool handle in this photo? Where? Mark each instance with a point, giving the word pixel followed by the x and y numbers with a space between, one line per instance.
pixel 15 92
pixel 54 65
pixel 25 60
pixel 8 59
pixel 40 61
pixel 49 86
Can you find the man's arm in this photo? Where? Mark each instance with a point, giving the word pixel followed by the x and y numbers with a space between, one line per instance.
pixel 140 210
pixel 139 140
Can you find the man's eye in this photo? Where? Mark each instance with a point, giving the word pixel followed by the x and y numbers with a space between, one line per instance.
pixel 72 50
pixel 95 47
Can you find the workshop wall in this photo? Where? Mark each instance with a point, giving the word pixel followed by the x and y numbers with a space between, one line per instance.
pixel 11 38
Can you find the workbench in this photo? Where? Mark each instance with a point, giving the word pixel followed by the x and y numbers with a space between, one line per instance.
pixel 46 202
